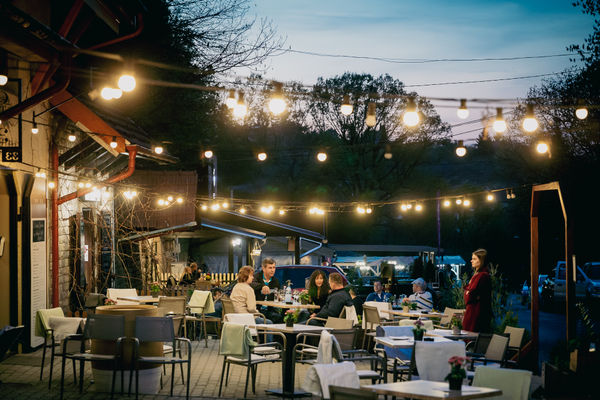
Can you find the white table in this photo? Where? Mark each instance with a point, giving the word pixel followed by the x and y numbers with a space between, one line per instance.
pixel 447 333
pixel 429 390
pixel 404 342
pixel 415 314
pixel 281 304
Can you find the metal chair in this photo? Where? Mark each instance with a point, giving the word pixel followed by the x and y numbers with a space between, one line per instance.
pixel 371 322
pixel 494 355
pixel 174 306
pixel 344 393
pixel 516 340
pixel 159 329
pixel 250 359
pixel 97 326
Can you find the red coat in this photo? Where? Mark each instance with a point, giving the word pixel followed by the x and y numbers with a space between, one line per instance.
pixel 478 300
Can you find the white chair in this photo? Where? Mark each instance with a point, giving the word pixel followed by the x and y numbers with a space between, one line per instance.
pixel 113 294
pixel 248 319
pixel 514 383
pixel 320 376
pixel 381 307
pixel 431 358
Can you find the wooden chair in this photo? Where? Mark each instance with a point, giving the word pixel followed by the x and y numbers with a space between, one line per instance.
pixel 447 317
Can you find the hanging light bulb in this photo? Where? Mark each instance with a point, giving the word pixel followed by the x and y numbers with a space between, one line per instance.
pixel 262 156
pixel 360 209
pixel 72 138
pixel 461 150
pixel 106 93
pixel 322 156
pixel 208 154
pixel 116 93
pixel 409 206
pixel 158 149
pixel 466 202
pixel 204 207
pixel 3 68
pixel 242 210
pixel 241 109
pixel 388 152
pixel 51 185
pixel 499 123
pixel 459 201
pixel 225 204
pixel 530 124
pixel 368 210
pixel 403 207
pixel 113 142
pixel 346 107
pixel 34 127
pixel 371 120
pixel 411 116
pixel 581 112
pixel 215 207
pixel 81 185
pixel 161 202
pixel 281 211
pixel 512 194
pixel 508 193
pixel 463 111
pixel 490 197
pixel 169 198
pixel 542 147
pixel 3 79
pixel 277 103
pixel 446 203
pixel 418 207
pixel 231 101
pixel 126 82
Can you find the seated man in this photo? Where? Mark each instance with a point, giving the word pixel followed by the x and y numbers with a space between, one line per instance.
pixel 378 293
pixel 358 302
pixel 337 299
pixel 264 281
pixel 421 296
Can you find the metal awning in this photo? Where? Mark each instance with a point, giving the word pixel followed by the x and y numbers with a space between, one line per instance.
pixel 159 232
pixel 236 230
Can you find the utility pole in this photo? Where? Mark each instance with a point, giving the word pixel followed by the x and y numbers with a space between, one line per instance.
pixel 212 177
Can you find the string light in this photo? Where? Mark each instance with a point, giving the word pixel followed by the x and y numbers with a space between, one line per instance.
pixel 459 201
pixel 446 203
pixel 490 197
pixel 158 149
pixel 242 210
pixel 204 207
pixel 388 152
pixel 466 202
pixel 179 200
pixel 225 204
pixel 126 82
pixel 129 194
pixel 530 124
pixel 231 100
pixel 169 198
pixel 371 120
pixel 266 209
pixel 113 142
pixel 208 154
pixel 281 211
pixel 322 156
pixel 360 209
pixel 542 147
pixel 346 107
pixel 419 207
pixel 369 210
pixel 40 174
pixel 403 207
pixel 3 68
pixel 116 93
pixel 161 202
pixel 72 138
pixel 215 207
pixel 80 185
pixel 499 124
pixel 316 210
pixel 106 93
pixel 51 184
pixel 241 109
pixel 88 185
pixel 34 127
pixel 461 150
pixel 581 112
pixel 277 103
pixel 409 206
pixel 411 117
pixel 463 111
pixel 262 156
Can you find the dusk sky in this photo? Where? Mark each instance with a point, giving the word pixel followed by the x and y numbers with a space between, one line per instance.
pixel 427 30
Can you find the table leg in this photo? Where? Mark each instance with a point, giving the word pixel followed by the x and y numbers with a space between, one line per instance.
pixel 288 371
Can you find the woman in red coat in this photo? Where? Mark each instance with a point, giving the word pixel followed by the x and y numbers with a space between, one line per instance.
pixel 478 296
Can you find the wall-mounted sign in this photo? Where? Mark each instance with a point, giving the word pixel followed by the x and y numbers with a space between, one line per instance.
pixel 11 154
pixel 38 273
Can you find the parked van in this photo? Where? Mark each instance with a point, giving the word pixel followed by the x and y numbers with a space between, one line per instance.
pixel 592 271
pixel 560 286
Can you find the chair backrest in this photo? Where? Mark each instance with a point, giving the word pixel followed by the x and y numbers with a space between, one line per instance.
pixel 345 393
pixel 371 316
pixel 104 326
pixel 481 343
pixel 113 293
pixel 227 306
pixel 516 336
pixel 154 329
pixel 345 338
pixel 171 305
pixel 203 285
pixel 242 319
pixel 200 301
pixel 427 323
pixel 514 383
pixel 338 323
pixel 431 358
pixel 497 348
pixel 349 313
pixel 93 300
pixel 320 376
pixel 448 313
pixel 380 306
pixel 42 318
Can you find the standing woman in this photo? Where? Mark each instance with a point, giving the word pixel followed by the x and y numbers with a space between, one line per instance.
pixel 478 295
pixel 318 288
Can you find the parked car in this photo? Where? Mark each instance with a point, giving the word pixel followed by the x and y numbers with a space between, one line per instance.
pixel 560 287
pixel 592 271
pixel 300 274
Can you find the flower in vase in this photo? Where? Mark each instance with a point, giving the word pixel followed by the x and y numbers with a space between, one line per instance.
pixel 457 370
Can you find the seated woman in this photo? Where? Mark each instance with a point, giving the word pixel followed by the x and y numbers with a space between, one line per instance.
pixel 186 277
pixel 242 296
pixel 318 288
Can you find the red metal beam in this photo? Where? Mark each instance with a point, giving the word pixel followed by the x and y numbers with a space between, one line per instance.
pixel 55 264
pixel 140 22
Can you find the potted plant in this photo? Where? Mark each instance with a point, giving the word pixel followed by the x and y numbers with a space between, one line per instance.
pixel 155 288
pixel 406 304
pixel 456 324
pixel 110 302
pixel 418 330
pixel 290 318
pixel 304 297
pixel 457 372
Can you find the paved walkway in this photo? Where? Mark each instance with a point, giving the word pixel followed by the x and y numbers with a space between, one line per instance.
pixel 20 375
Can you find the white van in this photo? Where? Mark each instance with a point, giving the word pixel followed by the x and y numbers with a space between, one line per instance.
pixel 560 287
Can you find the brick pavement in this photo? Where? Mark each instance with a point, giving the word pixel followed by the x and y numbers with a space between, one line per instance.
pixel 20 378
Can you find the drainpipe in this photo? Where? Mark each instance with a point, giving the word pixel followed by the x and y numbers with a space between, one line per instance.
pixel 56 201
pixel 140 23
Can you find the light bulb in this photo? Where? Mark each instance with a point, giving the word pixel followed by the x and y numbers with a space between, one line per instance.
pixel 215 207
pixel 204 207
pixel 113 143
pixel 242 210
pixel 446 203
pixel 72 138
pixel 581 112
pixel 225 204
pixel 490 197
pixel 106 93
pixel 388 155
pixel 459 201
pixel 231 101
pixel 179 200
pixel 360 210
pixel 88 185
pixel 262 156
pixel 371 120
pixel 161 202
pixel 277 103
pixel 466 202
pixel 530 124
pixel 419 207
pixel 411 116
pixel 3 79
pixel 408 206
pixel 158 149
pixel 169 198
pixel 34 129
pixel 208 154
pixel 461 150
pixel 463 111
pixel 281 211
pixel 80 185
pixel 116 93
pixel 542 147
pixel 368 210
pixel 322 157
pixel 51 185
pixel 126 82
pixel 346 107
pixel 499 123
pixel 403 207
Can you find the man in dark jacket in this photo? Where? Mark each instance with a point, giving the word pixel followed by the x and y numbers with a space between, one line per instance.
pixel 264 281
pixel 337 299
